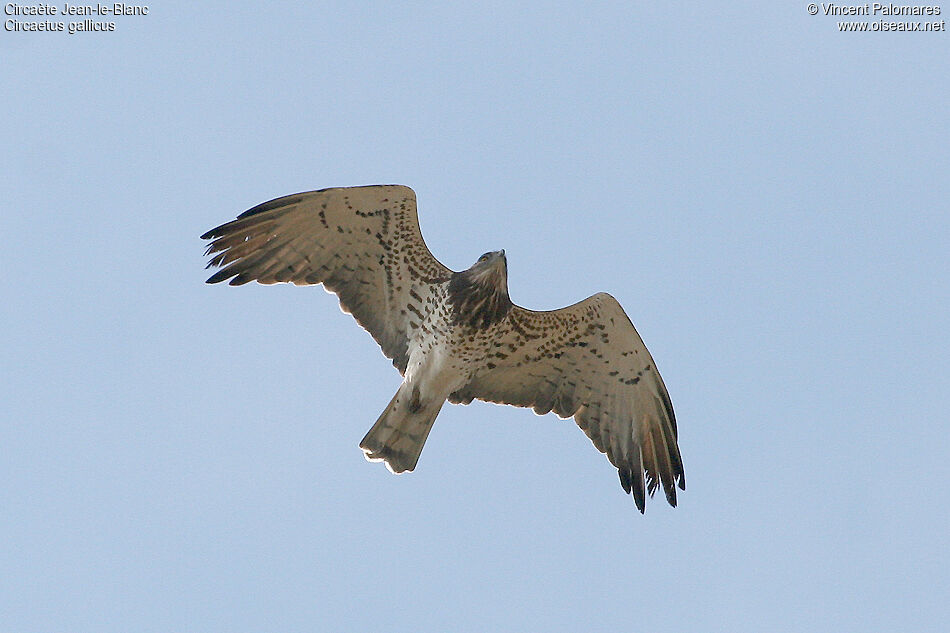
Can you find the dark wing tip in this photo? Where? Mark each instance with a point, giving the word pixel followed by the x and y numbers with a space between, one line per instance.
pixel 670 495
pixel 239 273
pixel 633 484
pixel 624 479
pixel 640 500
pixel 222 275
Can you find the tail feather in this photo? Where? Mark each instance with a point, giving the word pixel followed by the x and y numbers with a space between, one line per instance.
pixel 400 432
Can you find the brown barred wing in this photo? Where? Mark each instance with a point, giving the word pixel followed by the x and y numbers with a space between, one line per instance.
pixel 587 361
pixel 362 243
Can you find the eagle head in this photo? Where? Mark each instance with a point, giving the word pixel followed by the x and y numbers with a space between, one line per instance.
pixel 491 271
pixel 479 295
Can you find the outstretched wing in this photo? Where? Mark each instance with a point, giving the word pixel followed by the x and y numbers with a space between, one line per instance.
pixel 587 361
pixel 362 243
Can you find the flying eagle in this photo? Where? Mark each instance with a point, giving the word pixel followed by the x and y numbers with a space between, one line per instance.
pixel 457 336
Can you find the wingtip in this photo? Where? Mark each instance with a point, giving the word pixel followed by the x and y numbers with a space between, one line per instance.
pixel 218 277
pixel 634 487
pixel 624 479
pixel 671 496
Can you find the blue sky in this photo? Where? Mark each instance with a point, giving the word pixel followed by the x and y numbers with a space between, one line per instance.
pixel 766 196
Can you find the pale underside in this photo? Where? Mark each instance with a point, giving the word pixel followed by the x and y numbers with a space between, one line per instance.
pixel 585 361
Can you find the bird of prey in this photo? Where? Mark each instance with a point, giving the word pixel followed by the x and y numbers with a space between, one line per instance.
pixel 457 336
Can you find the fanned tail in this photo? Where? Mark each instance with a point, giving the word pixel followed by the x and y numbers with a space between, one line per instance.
pixel 400 432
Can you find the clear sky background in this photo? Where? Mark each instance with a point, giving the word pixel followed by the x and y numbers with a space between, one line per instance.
pixel 767 198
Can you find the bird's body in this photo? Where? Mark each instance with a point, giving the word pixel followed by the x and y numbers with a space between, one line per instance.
pixel 441 359
pixel 456 336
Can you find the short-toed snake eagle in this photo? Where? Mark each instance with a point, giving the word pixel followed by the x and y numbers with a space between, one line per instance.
pixel 457 336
